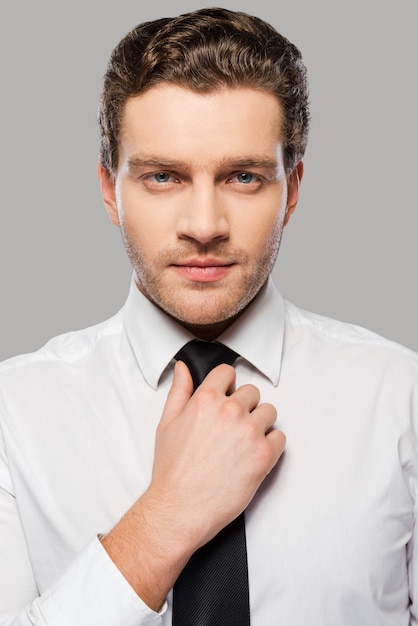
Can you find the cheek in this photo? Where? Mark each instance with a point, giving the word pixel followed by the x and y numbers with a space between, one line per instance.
pixel 260 234
pixel 258 220
pixel 143 223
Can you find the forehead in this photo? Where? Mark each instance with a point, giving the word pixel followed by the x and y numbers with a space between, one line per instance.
pixel 179 123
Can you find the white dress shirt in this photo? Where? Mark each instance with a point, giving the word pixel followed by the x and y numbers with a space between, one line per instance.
pixel 330 533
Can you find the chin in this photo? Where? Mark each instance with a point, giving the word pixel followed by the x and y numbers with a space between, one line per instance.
pixel 205 317
pixel 205 306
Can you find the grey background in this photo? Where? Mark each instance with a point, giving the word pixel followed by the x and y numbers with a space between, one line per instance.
pixel 349 251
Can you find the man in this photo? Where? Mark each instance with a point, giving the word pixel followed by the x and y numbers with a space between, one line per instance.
pixel 113 471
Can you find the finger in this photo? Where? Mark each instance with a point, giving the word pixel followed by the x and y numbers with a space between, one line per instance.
pixel 266 415
pixel 277 442
pixel 222 377
pixel 249 395
pixel 180 392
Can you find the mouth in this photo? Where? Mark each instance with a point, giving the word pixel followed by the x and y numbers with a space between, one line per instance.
pixel 203 270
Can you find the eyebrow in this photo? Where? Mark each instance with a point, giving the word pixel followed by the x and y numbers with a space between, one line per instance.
pixel 152 161
pixel 241 162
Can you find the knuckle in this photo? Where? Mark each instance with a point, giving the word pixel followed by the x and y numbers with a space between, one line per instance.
pixel 252 390
pixel 251 430
pixel 232 408
pixel 264 456
pixel 205 396
pixel 271 411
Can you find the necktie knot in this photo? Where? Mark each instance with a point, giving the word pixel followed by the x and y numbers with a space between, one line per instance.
pixel 202 356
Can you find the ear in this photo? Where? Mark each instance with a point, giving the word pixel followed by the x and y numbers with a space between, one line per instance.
pixel 107 184
pixel 293 186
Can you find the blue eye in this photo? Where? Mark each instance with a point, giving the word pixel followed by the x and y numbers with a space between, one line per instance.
pixel 245 177
pixel 161 177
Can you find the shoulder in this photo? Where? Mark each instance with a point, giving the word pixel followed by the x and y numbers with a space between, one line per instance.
pixel 328 336
pixel 66 349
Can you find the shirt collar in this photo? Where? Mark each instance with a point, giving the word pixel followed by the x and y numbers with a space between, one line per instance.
pixel 257 335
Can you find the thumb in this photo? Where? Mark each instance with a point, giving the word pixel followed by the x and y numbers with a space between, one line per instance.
pixel 180 392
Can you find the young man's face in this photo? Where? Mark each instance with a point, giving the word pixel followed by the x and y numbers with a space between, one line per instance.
pixel 201 197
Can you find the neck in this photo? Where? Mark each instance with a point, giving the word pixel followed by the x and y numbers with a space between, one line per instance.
pixel 209 332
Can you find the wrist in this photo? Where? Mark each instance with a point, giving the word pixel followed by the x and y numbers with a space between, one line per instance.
pixel 146 548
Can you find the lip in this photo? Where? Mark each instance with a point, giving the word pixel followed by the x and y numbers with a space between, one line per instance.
pixel 204 270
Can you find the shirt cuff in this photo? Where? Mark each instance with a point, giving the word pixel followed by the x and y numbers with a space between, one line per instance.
pixel 93 591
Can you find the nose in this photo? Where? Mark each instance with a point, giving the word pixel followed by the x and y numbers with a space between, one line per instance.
pixel 203 217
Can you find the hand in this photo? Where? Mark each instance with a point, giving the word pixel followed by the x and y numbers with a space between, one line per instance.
pixel 213 449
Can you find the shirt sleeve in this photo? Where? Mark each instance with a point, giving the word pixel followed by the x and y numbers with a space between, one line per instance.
pixel 91 591
pixel 412 548
pixel 413 565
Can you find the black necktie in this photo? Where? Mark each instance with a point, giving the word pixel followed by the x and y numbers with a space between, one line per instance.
pixel 212 590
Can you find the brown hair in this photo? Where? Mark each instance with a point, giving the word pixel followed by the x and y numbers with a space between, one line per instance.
pixel 206 50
